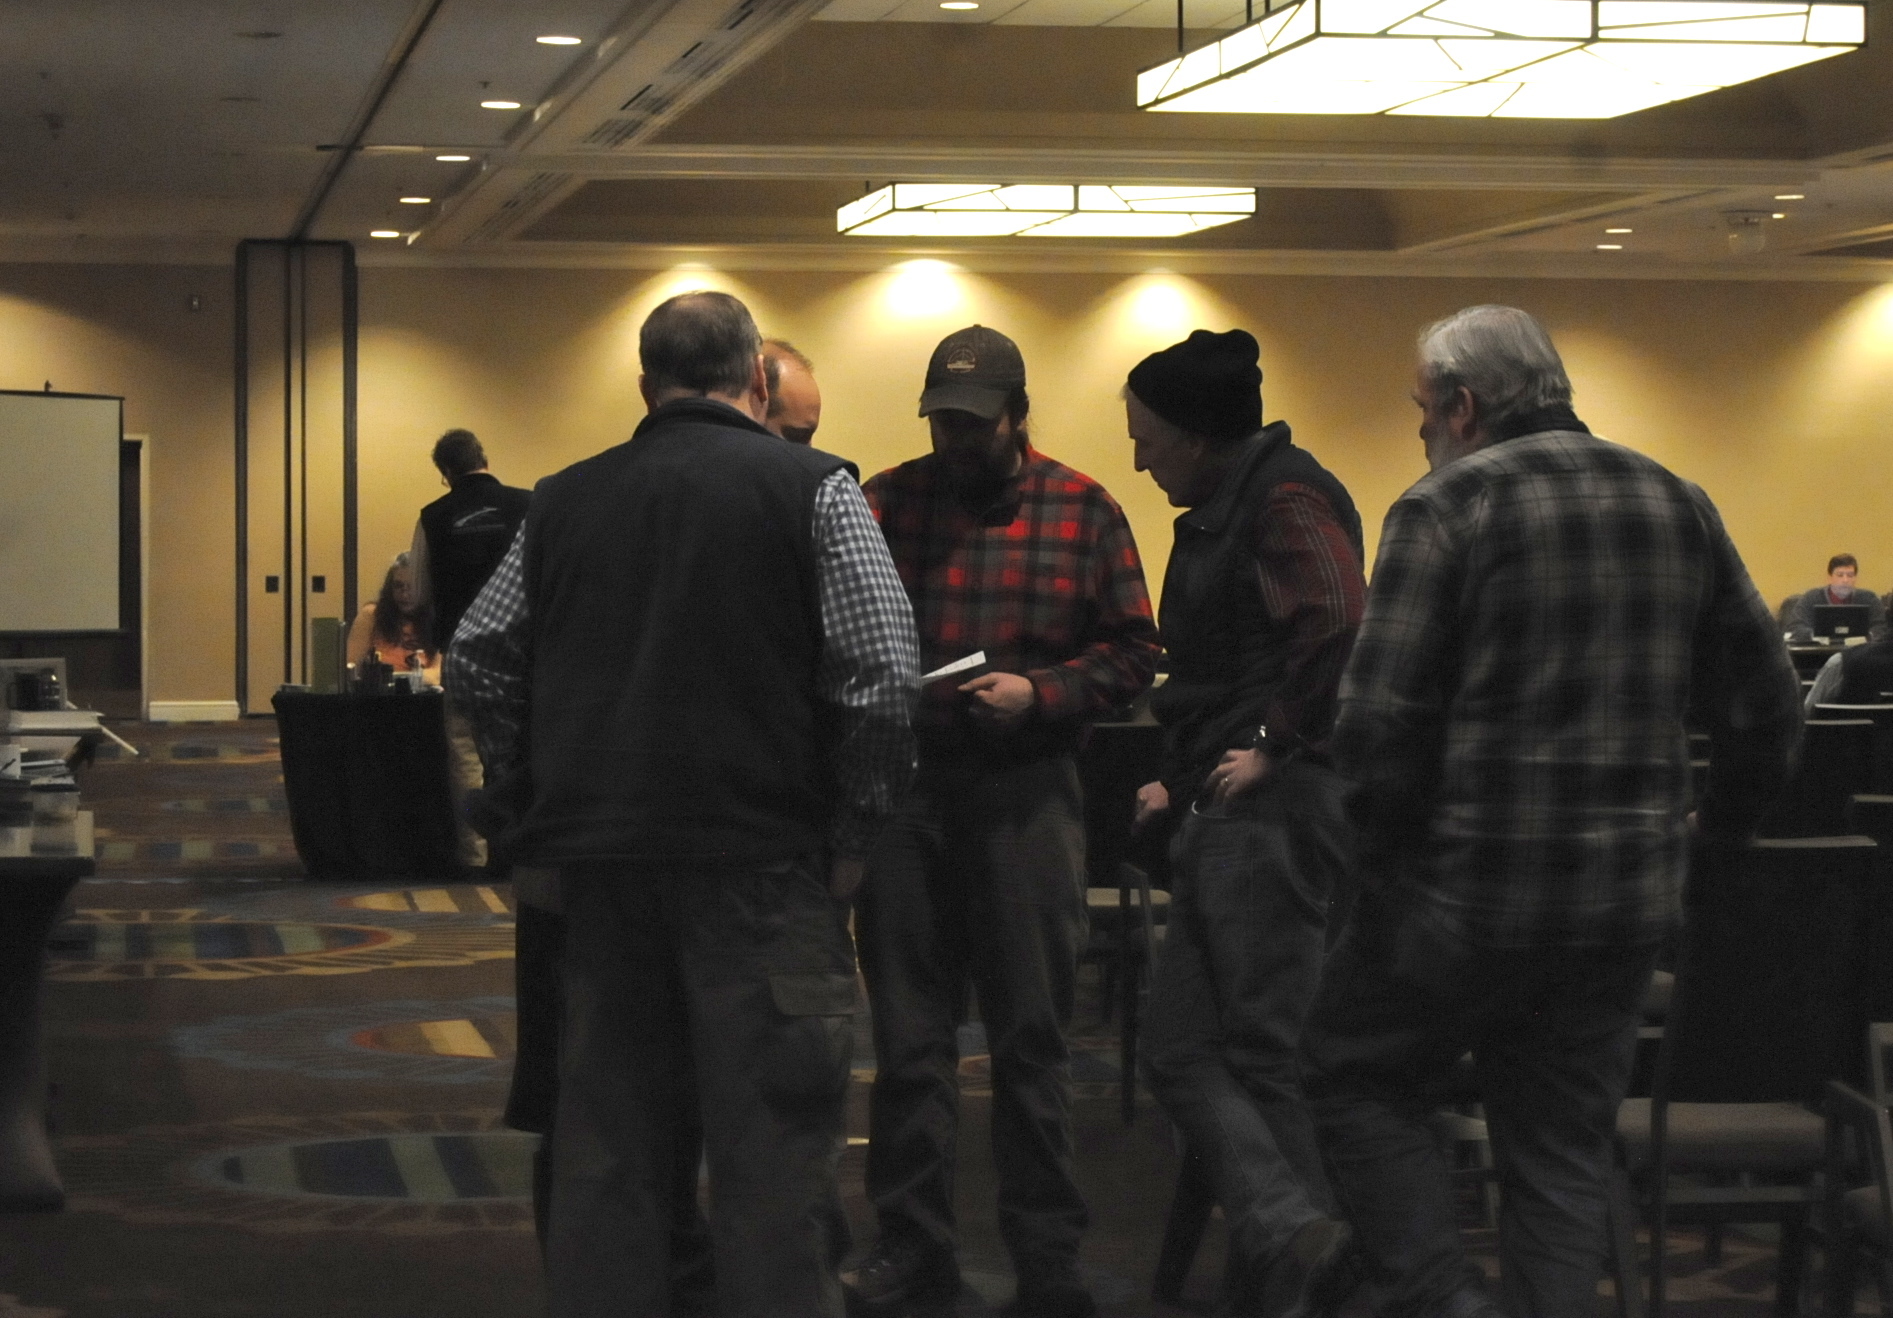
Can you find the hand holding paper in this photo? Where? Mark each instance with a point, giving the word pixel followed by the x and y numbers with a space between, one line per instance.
pixel 1001 700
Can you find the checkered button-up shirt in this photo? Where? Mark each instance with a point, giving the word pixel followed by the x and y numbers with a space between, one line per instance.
pixel 1541 617
pixel 1045 579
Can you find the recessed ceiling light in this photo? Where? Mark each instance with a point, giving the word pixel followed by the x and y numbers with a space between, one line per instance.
pixel 384 233
pixel 416 201
pixel 1791 196
pixel 1610 247
pixel 1620 231
pixel 558 41
pixel 453 160
pixel 499 105
pixel 959 4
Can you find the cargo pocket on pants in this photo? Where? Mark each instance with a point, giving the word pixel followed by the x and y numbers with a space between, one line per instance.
pixel 808 1053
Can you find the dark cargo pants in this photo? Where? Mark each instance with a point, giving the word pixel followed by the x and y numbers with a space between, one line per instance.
pixel 732 988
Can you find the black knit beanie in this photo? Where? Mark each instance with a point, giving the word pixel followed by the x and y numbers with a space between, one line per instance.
pixel 1210 384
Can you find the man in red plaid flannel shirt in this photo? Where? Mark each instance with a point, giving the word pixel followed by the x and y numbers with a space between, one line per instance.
pixel 981 875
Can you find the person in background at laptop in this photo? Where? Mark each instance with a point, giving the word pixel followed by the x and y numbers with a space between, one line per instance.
pixel 1842 572
pixel 394 625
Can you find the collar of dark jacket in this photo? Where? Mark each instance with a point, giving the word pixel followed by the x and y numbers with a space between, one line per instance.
pixel 707 411
pixel 1556 417
pixel 474 478
pixel 1256 449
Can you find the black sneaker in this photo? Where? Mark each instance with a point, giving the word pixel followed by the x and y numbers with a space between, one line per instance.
pixel 1313 1274
pixel 897 1276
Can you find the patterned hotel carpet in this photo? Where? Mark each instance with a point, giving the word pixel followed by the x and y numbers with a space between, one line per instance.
pixel 282 1098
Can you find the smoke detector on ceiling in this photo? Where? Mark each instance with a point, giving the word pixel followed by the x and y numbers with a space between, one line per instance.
pixel 1748 231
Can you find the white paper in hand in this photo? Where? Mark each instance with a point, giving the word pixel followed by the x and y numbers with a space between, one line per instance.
pixel 976 660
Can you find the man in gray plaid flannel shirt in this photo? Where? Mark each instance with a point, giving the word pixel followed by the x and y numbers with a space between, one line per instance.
pixel 1544 609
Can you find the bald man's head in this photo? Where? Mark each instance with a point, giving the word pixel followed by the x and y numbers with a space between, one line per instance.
pixel 795 400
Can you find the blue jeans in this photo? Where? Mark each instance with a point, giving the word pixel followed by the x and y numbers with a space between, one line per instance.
pixel 1242 956
pixel 1552 1032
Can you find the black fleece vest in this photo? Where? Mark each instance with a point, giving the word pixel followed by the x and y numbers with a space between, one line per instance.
pixel 1226 654
pixel 676 632
pixel 468 531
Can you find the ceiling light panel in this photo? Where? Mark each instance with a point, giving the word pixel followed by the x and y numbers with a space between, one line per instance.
pixel 1538 59
pixel 1040 210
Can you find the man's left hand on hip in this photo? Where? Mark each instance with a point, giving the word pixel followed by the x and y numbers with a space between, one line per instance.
pixel 1239 773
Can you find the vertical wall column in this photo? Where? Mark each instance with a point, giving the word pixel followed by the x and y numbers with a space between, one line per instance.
pixel 296 497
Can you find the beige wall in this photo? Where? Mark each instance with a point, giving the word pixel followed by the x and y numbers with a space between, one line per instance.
pixel 128 330
pixel 1772 395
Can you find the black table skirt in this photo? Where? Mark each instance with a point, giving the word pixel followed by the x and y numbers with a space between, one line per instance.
pixel 366 778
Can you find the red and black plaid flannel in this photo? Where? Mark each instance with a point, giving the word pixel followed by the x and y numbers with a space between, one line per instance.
pixel 1046 580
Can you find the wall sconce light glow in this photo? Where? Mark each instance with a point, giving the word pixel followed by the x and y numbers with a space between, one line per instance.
pixel 1160 306
pixel 453 159
pixel 558 41
pixel 499 105
pixel 1040 210
pixel 1507 59
pixel 417 201
pixel 925 288
pixel 384 233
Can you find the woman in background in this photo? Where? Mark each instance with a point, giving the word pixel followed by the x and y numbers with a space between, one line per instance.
pixel 392 626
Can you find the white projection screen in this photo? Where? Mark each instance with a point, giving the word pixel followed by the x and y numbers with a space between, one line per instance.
pixel 59 512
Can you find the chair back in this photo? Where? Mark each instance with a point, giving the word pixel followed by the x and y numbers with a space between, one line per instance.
pixel 1119 758
pixel 1880 771
pixel 1836 761
pixel 1879 1053
pixel 1770 978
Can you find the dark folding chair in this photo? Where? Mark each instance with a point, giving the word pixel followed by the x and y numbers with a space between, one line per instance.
pixel 1127 924
pixel 1854 1219
pixel 1880 759
pixel 1766 1002
pixel 1835 763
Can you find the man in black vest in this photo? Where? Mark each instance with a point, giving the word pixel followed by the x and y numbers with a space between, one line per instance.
pixel 459 540
pixel 692 676
pixel 1260 604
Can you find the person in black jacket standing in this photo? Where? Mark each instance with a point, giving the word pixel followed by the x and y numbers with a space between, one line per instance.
pixel 693 677
pixel 458 541
pixel 1260 604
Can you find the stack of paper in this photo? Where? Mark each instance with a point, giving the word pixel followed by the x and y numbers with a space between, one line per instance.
pixel 51 722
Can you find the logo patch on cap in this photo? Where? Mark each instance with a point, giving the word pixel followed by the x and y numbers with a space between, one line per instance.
pixel 962 360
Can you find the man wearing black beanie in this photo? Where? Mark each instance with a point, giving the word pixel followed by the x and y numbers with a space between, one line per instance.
pixel 1260 605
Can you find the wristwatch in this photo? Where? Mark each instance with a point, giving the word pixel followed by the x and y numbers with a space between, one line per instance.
pixel 1260 741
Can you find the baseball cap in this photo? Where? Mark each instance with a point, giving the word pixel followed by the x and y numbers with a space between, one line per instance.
pixel 973 370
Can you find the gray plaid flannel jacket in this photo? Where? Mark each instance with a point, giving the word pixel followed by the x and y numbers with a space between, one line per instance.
pixel 1543 617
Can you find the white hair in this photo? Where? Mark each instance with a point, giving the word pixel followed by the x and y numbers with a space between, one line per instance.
pixel 1503 357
